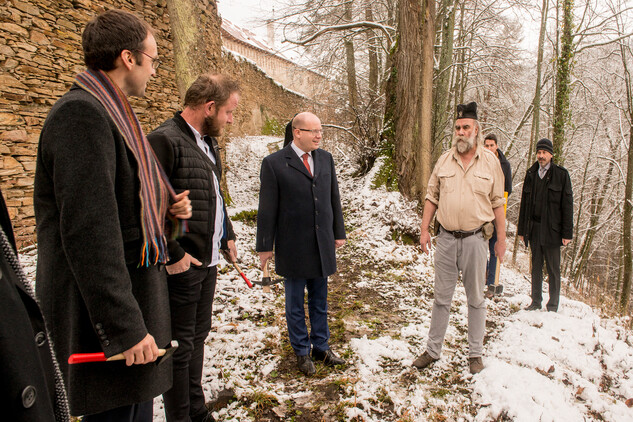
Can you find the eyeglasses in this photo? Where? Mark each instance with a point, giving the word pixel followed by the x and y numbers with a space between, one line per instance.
pixel 314 132
pixel 155 60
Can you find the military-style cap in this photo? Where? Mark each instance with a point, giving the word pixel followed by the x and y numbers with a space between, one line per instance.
pixel 467 111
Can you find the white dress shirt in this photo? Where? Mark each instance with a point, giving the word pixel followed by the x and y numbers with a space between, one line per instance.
pixel 300 153
pixel 218 231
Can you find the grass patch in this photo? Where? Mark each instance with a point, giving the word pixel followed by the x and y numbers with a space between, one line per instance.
pixel 440 393
pixel 247 216
pixel 263 402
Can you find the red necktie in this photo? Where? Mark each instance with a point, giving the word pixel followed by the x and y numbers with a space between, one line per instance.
pixel 305 162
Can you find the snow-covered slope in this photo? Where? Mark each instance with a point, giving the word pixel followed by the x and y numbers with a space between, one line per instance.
pixel 540 366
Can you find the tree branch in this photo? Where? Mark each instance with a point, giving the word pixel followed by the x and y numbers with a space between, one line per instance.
pixel 363 24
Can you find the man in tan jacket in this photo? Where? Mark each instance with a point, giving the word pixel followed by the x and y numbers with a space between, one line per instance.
pixel 466 190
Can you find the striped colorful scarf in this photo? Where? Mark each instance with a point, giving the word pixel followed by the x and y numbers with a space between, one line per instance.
pixel 155 186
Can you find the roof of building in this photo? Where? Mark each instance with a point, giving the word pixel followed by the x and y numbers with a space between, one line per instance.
pixel 248 38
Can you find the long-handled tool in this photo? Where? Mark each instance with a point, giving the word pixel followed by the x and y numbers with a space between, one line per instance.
pixel 239 270
pixel 497 288
pixel 227 257
pixel 164 354
pixel 266 280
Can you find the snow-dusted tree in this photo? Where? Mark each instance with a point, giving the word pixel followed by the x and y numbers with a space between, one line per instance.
pixel 347 41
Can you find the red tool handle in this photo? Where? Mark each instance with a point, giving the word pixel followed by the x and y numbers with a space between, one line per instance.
pixel 86 357
pixel 242 275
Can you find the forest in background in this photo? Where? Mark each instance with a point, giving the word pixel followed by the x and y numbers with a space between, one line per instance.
pixel 400 68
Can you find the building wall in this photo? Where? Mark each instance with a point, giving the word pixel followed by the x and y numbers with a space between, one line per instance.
pixel 290 75
pixel 40 54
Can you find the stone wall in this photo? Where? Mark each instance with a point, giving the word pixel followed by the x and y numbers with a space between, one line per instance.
pixel 40 54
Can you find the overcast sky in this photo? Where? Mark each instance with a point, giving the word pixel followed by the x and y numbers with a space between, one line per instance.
pixel 250 14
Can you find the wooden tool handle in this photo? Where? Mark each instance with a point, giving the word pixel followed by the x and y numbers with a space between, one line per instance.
pixel 266 289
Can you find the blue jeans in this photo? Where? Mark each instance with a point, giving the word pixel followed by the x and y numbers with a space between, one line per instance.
pixel 492 261
pixel 317 309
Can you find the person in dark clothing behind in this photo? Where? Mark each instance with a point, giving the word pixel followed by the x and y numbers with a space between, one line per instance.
pixel 546 221
pixel 490 142
pixel 31 386
pixel 186 147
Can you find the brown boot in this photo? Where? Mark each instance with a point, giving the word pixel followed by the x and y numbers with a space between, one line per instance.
pixel 424 360
pixel 476 365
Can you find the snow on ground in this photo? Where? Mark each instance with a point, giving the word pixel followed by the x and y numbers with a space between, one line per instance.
pixel 567 366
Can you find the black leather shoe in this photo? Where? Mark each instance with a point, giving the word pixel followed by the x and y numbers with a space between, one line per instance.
pixel 305 365
pixel 328 357
pixel 533 307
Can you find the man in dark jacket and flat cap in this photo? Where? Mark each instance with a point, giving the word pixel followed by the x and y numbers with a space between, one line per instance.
pixel 546 221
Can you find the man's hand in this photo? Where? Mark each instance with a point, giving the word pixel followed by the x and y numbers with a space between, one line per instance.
pixel 566 242
pixel 182 207
pixel 264 257
pixel 143 352
pixel 425 241
pixel 183 265
pixel 232 253
pixel 500 249
pixel 338 243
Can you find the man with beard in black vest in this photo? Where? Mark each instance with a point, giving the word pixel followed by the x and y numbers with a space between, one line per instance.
pixel 188 151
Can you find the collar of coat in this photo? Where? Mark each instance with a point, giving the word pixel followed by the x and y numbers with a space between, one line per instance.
pixel 294 161
pixel 183 126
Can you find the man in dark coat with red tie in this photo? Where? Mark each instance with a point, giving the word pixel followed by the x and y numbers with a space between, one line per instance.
pixel 300 216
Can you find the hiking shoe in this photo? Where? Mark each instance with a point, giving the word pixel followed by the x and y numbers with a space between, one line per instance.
pixel 328 357
pixel 533 307
pixel 476 365
pixel 424 360
pixel 490 293
pixel 305 365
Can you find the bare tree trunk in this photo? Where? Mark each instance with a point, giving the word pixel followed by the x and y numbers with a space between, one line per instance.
pixel 442 110
pixel 597 205
pixel 352 89
pixel 563 76
pixel 627 270
pixel 373 53
pixel 190 51
pixel 426 143
pixel 536 112
pixel 374 118
pixel 408 95
pixel 536 109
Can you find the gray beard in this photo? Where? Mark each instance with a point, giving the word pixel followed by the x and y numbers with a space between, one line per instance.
pixel 465 144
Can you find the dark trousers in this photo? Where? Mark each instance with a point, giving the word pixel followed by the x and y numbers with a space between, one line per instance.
pixel 190 299
pixel 317 309
pixel 551 255
pixel 138 412
pixel 491 268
